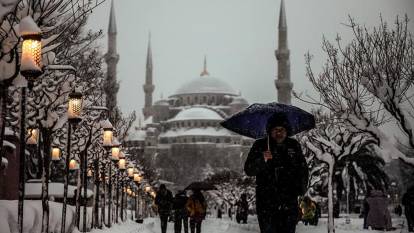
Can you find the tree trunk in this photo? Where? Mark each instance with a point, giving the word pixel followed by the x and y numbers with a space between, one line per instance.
pixel 331 225
pixel 104 197
pixel 45 178
pixel 110 195
pixel 85 190
pixel 4 93
pixel 22 161
pixel 66 179
pixel 117 196
pixel 97 193
pixel 122 200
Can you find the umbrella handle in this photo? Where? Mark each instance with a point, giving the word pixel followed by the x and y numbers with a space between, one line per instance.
pixel 268 143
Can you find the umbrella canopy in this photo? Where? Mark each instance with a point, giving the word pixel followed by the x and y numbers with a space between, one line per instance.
pixel 200 186
pixel 252 121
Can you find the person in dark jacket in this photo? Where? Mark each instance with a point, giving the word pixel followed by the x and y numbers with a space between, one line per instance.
pixel 242 209
pixel 408 202
pixel 180 211
pixel 164 201
pixel 379 217
pixel 281 174
pixel 196 207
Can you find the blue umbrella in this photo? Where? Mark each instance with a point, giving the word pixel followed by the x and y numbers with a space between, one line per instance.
pixel 252 121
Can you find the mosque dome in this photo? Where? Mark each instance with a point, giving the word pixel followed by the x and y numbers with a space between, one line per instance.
pixel 206 84
pixel 197 113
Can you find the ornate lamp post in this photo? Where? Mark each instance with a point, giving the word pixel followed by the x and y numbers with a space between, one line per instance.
pixel 107 144
pixel 74 116
pixel 30 68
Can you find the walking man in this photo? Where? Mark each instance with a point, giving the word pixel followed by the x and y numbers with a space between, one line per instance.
pixel 164 200
pixel 281 176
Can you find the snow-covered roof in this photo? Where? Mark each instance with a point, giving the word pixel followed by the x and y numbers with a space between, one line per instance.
pixel 136 134
pixel 206 84
pixel 162 103
pixel 147 121
pixel 208 131
pixel 197 113
pixel 34 190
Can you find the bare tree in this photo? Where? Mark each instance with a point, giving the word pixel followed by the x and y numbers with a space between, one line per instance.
pixel 367 82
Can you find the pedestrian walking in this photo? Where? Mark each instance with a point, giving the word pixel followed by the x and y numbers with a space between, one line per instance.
pixel 379 217
pixel 281 176
pixel 196 207
pixel 164 201
pixel 180 212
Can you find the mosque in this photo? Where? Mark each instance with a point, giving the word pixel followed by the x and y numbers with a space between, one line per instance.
pixel 181 134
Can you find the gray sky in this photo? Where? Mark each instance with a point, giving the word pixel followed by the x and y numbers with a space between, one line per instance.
pixel 238 36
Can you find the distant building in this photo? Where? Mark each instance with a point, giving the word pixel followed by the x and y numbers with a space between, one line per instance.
pixel 181 135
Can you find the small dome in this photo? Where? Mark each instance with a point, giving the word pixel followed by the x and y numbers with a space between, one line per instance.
pixel 206 84
pixel 197 113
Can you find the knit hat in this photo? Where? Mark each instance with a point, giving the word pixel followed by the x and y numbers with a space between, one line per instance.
pixel 278 120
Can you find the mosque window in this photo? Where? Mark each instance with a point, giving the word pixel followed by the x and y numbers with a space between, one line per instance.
pixel 193 139
pixel 196 100
pixel 204 99
pixel 227 140
pixel 188 99
pixel 217 140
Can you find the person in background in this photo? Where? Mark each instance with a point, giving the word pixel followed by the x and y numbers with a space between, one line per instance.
pixel 379 217
pixel 308 209
pixel 196 208
pixel 408 202
pixel 164 201
pixel 230 212
pixel 180 211
pixel 242 209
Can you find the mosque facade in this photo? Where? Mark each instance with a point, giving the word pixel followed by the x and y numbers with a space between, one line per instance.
pixel 181 135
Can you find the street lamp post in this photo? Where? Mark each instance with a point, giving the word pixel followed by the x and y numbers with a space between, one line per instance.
pixel 122 168
pixel 114 151
pixel 107 144
pixel 30 68
pixel 74 117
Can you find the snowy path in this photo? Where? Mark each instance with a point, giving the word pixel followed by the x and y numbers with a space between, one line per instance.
pixel 214 225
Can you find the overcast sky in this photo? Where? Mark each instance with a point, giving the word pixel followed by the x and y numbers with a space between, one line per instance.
pixel 238 36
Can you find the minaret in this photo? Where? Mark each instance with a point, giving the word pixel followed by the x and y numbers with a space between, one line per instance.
pixel 148 86
pixel 205 72
pixel 283 84
pixel 111 59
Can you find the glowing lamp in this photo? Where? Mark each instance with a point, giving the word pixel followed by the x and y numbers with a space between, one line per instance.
pixel 130 172
pixel 122 164
pixel 108 134
pixel 73 165
pixel 75 107
pixel 55 154
pixel 115 153
pixel 90 173
pixel 137 178
pixel 31 60
pixel 33 136
pixel 147 189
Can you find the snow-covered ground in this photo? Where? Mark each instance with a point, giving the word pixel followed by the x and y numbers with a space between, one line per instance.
pixel 214 225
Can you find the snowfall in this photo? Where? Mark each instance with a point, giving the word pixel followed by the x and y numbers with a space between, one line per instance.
pixel 32 222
